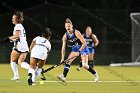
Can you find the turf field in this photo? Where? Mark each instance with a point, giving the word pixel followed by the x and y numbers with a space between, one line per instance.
pixel 112 80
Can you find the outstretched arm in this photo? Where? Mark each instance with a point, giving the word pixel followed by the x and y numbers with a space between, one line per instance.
pixel 95 40
pixel 78 34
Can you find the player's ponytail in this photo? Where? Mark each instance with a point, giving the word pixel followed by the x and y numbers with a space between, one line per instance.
pixel 46 33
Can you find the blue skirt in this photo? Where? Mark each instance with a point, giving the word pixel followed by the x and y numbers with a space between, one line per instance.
pixel 77 47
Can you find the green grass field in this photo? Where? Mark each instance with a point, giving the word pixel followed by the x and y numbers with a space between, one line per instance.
pixel 112 80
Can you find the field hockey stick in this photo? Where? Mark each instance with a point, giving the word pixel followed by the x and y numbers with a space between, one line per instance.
pixel 43 76
pixel 52 67
pixel 44 71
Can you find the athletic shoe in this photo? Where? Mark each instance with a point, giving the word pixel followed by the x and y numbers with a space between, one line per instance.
pixel 96 77
pixel 78 69
pixel 15 78
pixel 30 82
pixel 61 77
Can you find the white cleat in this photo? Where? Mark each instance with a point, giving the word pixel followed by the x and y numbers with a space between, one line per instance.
pixel 15 78
pixel 96 77
pixel 61 77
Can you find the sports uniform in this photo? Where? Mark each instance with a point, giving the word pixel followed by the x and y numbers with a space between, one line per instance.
pixel 90 43
pixel 75 43
pixel 40 52
pixel 41 49
pixel 21 44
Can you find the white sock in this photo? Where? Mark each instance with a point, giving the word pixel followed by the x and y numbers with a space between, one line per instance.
pixel 14 68
pixel 38 72
pixel 25 65
pixel 31 70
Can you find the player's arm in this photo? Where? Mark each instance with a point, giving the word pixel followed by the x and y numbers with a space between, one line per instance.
pixel 63 47
pixel 16 36
pixel 32 45
pixel 95 40
pixel 78 34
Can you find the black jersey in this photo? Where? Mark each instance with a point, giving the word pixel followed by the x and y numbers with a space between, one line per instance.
pixel 72 40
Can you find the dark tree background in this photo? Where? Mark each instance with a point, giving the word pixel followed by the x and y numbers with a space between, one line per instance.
pixel 110 20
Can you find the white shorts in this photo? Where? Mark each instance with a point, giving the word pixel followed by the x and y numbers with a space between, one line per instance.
pixel 39 52
pixel 21 47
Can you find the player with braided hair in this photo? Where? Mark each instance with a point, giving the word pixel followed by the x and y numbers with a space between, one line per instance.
pixel 39 49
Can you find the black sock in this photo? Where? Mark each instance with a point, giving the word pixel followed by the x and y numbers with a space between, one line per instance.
pixel 91 70
pixel 66 70
pixel 80 65
pixel 91 63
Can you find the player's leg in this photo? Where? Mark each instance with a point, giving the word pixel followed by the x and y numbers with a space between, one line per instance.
pixel 13 58
pixel 91 56
pixel 67 66
pixel 43 77
pixel 90 59
pixel 80 66
pixel 21 61
pixel 31 70
pixel 84 58
pixel 39 68
pixel 91 62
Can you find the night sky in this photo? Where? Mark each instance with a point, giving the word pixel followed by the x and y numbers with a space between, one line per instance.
pixel 110 20
pixel 131 5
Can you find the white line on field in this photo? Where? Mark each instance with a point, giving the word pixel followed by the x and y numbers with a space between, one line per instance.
pixel 57 81
pixel 89 81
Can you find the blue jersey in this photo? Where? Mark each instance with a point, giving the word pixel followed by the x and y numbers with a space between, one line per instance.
pixel 75 43
pixel 90 43
pixel 72 40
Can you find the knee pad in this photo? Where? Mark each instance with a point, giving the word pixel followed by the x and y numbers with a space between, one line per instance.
pixel 85 65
